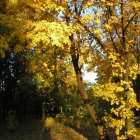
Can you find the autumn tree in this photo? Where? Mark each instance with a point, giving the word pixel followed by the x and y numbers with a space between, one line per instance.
pixel 120 64
pixel 47 35
pixel 102 34
pixel 9 43
pixel 15 82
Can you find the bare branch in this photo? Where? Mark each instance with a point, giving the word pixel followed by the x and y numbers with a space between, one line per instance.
pixel 129 22
pixel 115 47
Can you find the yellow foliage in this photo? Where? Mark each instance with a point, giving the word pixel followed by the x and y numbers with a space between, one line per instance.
pixel 105 35
pixel 18 48
pixel 87 18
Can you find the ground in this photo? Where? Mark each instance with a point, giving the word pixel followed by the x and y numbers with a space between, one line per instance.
pixel 34 129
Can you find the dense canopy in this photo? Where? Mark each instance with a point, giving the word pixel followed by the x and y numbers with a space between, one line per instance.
pixel 59 37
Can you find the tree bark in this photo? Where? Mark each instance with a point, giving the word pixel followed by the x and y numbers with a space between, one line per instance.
pixel 126 93
pixel 103 134
pixel 90 108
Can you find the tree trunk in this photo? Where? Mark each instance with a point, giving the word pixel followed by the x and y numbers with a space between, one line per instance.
pixel 126 93
pixel 90 108
pixel 127 121
pixel 75 60
pixel 103 134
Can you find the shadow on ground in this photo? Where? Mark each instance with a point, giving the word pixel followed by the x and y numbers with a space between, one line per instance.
pixel 25 130
pixel 33 129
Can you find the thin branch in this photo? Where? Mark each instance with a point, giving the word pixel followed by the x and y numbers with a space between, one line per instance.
pixel 80 9
pixel 115 47
pixel 122 20
pixel 129 22
pixel 118 36
pixel 95 37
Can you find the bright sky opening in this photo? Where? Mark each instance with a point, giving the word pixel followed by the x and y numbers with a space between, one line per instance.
pixel 90 77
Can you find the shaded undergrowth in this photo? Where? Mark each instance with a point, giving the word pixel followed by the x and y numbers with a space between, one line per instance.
pixel 33 129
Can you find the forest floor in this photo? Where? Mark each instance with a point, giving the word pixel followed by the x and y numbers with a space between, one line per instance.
pixel 33 129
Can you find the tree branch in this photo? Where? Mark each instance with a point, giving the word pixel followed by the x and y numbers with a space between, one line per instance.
pixel 115 47
pixel 129 22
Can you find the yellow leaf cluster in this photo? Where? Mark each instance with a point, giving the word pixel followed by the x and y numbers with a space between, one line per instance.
pixel 87 18
pixel 53 34
pixel 18 48
pixel 3 45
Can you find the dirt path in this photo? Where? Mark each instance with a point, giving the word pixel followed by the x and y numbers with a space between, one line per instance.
pixel 59 131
